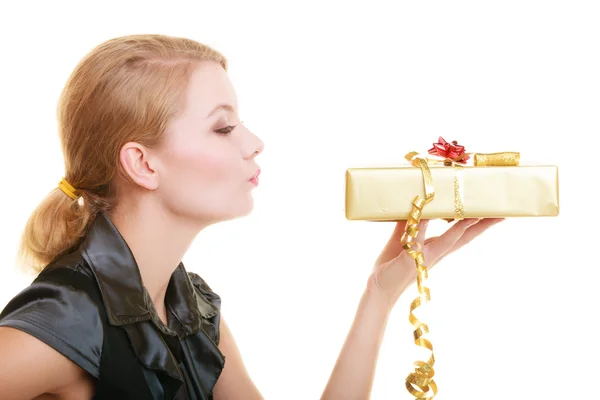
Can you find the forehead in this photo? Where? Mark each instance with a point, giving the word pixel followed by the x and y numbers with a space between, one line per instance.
pixel 209 86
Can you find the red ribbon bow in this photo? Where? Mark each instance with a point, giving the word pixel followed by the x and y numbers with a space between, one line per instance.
pixel 449 151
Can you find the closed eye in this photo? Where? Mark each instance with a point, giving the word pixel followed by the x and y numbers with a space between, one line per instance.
pixel 226 130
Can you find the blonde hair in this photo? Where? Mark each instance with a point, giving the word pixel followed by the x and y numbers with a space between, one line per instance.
pixel 126 89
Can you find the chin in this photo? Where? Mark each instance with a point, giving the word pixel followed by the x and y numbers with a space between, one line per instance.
pixel 235 211
pixel 244 210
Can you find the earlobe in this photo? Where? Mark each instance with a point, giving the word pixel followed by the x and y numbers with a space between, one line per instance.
pixel 136 162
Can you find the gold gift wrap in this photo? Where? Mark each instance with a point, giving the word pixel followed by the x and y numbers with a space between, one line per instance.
pixel 386 193
pixel 495 186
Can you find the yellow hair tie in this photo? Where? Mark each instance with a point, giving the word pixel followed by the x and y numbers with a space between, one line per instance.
pixel 68 189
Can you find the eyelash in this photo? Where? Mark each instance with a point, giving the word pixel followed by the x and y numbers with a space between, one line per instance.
pixel 225 131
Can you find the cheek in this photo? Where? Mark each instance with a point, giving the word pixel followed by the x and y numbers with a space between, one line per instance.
pixel 205 166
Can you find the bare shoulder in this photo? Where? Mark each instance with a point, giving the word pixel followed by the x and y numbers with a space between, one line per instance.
pixel 29 368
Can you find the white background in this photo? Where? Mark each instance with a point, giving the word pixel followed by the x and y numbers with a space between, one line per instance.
pixel 328 85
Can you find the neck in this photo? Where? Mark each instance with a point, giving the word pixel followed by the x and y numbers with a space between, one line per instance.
pixel 158 242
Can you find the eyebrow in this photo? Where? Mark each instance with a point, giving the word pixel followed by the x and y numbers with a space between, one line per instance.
pixel 219 107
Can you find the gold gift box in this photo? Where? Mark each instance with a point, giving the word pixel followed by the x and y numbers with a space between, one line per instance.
pixel 386 193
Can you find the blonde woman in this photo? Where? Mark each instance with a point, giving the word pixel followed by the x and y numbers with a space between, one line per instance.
pixel 154 152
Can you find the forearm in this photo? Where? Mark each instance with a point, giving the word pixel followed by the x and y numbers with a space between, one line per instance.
pixel 354 371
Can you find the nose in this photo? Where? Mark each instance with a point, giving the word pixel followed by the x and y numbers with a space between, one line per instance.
pixel 255 146
pixel 260 146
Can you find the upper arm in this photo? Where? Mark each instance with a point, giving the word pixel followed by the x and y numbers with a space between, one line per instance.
pixel 29 367
pixel 235 382
pixel 50 333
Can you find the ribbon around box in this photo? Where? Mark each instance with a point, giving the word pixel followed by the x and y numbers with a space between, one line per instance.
pixel 420 382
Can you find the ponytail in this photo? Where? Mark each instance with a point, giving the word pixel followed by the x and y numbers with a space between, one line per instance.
pixel 56 227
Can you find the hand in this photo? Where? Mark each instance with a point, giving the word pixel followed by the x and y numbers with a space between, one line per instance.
pixel 395 269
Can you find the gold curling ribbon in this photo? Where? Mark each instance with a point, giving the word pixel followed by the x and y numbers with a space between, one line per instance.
pixel 420 383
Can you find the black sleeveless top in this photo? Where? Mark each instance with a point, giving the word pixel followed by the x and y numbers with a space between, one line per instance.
pixel 92 307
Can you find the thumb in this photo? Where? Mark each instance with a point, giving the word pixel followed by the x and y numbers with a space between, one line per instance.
pixel 417 234
pixel 422 227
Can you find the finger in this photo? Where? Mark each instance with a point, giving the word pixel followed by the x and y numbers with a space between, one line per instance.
pixel 422 226
pixel 417 233
pixel 394 244
pixel 448 239
pixel 399 230
pixel 429 240
pixel 430 263
pixel 471 233
pixel 474 231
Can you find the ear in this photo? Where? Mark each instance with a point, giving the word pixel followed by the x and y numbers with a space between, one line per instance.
pixel 136 162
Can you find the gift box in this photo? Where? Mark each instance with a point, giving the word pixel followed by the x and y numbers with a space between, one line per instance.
pixel 451 185
pixel 491 186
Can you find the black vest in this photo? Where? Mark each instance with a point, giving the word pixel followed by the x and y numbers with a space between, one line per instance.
pixel 92 307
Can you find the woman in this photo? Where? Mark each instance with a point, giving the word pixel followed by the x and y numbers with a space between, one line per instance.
pixel 155 152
